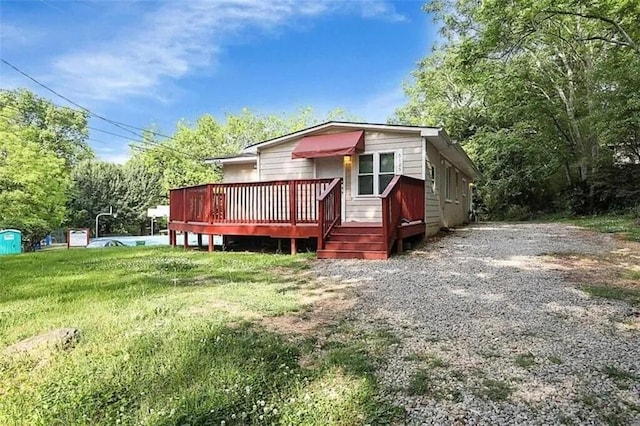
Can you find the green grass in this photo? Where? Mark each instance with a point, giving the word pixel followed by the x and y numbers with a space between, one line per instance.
pixel 173 337
pixel 629 295
pixel 525 360
pixel 495 390
pixel 432 360
pixel 624 225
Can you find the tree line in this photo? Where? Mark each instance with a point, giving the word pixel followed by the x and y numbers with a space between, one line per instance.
pixel 545 97
pixel 50 176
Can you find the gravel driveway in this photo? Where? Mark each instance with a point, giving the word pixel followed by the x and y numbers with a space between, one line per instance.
pixel 491 334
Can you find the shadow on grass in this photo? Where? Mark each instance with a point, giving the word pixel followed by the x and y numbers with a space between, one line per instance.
pixel 206 375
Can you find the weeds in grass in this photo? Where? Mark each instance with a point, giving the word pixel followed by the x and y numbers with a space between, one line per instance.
pixel 421 383
pixel 432 360
pixel 555 359
pixel 495 390
pixel 621 377
pixel 155 353
pixel 629 295
pixel 633 274
pixel 525 360
pixel 624 225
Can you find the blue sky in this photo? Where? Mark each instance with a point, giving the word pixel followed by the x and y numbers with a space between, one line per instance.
pixel 155 62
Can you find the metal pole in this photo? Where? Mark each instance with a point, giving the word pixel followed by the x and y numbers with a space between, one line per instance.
pixel 103 214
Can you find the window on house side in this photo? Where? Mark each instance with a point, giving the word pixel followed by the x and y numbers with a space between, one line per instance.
pixel 433 177
pixel 464 187
pixel 457 184
pixel 447 182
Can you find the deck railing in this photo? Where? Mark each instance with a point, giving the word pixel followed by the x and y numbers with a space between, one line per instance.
pixel 286 201
pixel 329 210
pixel 402 201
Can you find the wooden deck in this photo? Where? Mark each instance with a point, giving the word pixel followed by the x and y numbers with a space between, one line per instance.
pixel 298 209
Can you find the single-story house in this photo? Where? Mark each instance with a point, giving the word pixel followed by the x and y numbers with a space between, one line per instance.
pixel 359 189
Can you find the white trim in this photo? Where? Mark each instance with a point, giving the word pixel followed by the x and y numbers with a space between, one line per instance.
pixel 355 167
pixel 423 131
pixel 259 169
pixel 233 160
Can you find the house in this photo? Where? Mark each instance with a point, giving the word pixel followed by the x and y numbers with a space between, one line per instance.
pixel 358 189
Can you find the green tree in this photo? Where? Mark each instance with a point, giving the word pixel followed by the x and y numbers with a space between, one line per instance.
pixel 33 185
pixel 60 130
pixel 96 186
pixel 541 92
pixel 180 160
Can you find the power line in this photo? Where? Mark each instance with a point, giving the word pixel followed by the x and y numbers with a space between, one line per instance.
pixel 118 124
pixel 143 141
pixel 135 147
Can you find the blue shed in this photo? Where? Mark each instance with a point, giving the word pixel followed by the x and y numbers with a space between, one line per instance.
pixel 10 241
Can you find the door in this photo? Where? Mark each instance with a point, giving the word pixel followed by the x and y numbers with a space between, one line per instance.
pixel 331 167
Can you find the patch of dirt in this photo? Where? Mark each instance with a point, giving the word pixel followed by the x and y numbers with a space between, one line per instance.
pixel 325 302
pixel 614 268
pixel 42 344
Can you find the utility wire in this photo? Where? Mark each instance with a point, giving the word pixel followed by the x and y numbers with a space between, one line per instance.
pixel 118 124
pixel 135 147
pixel 147 142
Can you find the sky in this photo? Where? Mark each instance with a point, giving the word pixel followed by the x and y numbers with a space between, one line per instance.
pixel 153 62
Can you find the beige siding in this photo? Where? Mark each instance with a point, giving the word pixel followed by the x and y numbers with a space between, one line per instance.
pixel 432 211
pixel 454 210
pixel 276 163
pixel 368 209
pixel 240 173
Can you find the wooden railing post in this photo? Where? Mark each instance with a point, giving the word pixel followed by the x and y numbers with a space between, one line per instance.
pixel 293 200
pixel 184 205
pixel 321 208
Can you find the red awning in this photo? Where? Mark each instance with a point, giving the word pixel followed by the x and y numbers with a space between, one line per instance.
pixel 333 145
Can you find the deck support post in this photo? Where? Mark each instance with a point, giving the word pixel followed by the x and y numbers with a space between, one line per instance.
pixel 185 243
pixel 294 246
pixel 400 243
pixel 199 241
pixel 171 240
pixel 211 247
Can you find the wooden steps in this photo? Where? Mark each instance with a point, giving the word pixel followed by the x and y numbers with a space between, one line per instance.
pixel 355 241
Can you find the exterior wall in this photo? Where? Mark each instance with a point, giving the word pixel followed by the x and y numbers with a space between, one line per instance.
pixel 240 173
pixel 275 163
pixel 368 208
pixel 433 212
pixel 454 210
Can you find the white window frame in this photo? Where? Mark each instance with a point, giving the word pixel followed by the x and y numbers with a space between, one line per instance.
pixel 447 182
pixel 397 158
pixel 433 176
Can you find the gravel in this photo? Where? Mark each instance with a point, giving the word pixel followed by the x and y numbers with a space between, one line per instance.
pixel 503 339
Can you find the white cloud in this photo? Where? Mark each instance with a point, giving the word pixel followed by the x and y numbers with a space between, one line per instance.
pixel 114 157
pixel 179 37
pixel 380 106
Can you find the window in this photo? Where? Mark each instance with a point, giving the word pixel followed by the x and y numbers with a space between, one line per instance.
pixel 433 177
pixel 375 171
pixel 457 184
pixel 464 187
pixel 447 182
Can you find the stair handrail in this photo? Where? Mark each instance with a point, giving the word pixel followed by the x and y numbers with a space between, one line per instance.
pixel 329 215
pixel 391 211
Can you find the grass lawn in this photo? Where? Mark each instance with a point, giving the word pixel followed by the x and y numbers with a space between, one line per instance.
pixel 623 225
pixel 175 337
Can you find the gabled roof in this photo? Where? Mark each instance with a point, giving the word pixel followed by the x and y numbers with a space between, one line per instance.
pixel 435 135
pixel 336 125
